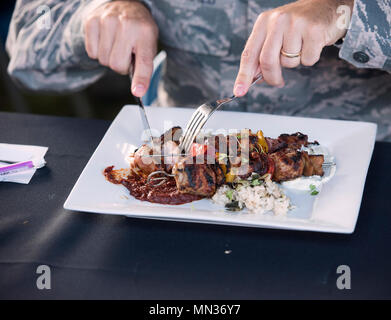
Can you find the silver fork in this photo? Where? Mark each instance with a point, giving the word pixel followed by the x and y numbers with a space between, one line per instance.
pixel 201 116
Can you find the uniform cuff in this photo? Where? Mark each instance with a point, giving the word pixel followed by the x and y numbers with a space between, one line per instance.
pixel 367 42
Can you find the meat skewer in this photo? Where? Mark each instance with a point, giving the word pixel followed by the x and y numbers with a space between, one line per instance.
pixel 281 157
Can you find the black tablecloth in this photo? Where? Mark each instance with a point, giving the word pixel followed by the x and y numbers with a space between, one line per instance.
pixel 102 256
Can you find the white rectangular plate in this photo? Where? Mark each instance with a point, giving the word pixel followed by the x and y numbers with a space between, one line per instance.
pixel 336 207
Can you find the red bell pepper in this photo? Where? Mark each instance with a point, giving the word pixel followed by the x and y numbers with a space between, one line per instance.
pixel 198 149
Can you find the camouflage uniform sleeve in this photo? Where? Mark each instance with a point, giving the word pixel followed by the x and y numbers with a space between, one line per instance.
pixel 367 43
pixel 51 56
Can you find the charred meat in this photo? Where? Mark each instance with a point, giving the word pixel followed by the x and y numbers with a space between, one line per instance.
pixel 313 165
pixel 275 144
pixel 199 179
pixel 289 161
pixel 172 134
pixel 289 164
pixel 258 163
pixel 235 157
pixel 143 160
pixel 295 140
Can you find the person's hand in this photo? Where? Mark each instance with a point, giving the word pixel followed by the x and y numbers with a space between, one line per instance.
pixel 304 26
pixel 118 29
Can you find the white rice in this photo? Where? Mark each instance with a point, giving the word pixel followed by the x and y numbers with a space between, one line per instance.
pixel 266 197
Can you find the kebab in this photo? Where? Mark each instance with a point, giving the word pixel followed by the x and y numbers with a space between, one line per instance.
pixel 224 159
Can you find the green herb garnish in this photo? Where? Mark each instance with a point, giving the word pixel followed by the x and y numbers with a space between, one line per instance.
pixel 229 194
pixel 313 190
pixel 256 182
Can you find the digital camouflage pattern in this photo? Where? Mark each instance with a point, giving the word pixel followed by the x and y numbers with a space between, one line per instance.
pixel 204 40
pixel 51 58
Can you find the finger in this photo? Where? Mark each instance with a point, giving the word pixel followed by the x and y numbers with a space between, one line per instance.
pixel 312 48
pixel 107 33
pixel 144 54
pixel 292 42
pixel 250 58
pixel 259 72
pixel 91 37
pixel 121 53
pixel 270 56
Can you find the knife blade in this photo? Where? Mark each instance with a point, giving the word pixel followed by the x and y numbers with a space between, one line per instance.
pixel 143 114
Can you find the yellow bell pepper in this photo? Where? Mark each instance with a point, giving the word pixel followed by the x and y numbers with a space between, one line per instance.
pixel 262 141
pixel 224 168
pixel 230 177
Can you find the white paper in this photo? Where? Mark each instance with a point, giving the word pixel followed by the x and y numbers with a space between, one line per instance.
pixel 19 153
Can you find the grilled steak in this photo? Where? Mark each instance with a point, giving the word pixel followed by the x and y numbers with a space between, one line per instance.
pixel 317 161
pixel 313 165
pixel 288 163
pixel 258 163
pixel 295 140
pixel 220 177
pixel 275 144
pixel 200 179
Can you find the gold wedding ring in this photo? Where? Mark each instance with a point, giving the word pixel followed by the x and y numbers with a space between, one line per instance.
pixel 290 55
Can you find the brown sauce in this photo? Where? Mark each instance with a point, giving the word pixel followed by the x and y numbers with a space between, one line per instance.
pixel 167 193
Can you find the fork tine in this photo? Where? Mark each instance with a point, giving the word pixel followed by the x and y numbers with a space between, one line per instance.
pixel 190 135
pixel 201 115
pixel 196 129
pixel 194 119
pixel 196 116
pixel 194 132
pixel 184 137
pixel 193 127
pixel 193 116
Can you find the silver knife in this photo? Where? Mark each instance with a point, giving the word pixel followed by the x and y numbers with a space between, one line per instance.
pixel 144 119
